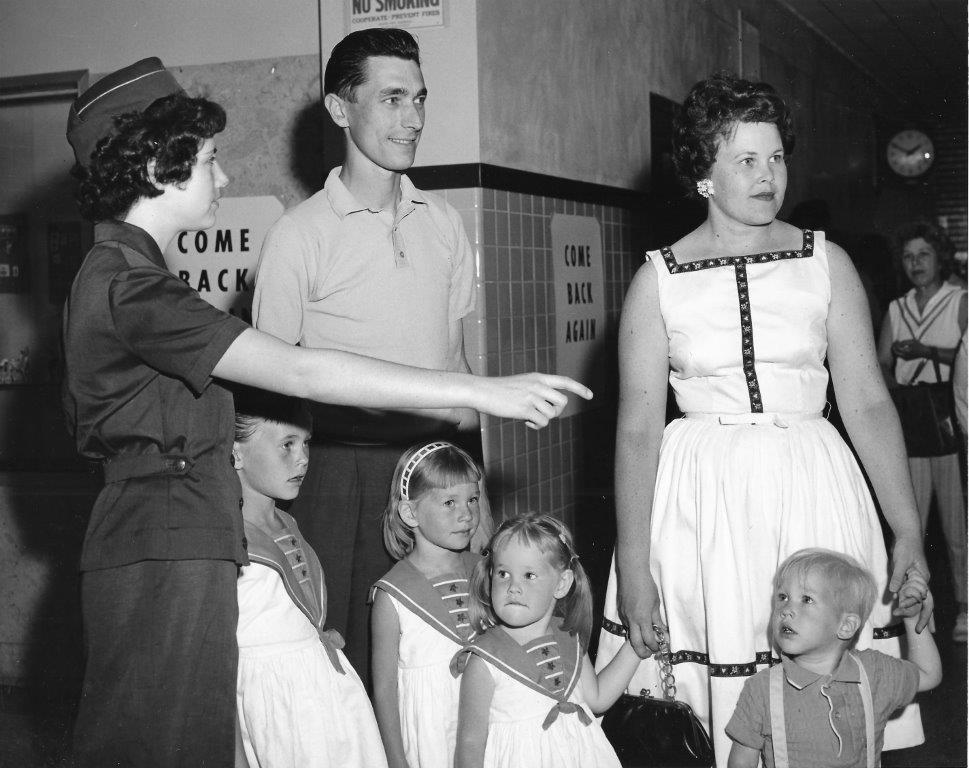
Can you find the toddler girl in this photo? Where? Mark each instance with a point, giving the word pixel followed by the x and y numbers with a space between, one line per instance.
pixel 299 701
pixel 528 686
pixel 419 617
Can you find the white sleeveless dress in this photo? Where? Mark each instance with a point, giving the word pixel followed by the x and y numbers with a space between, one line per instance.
pixel 427 692
pixel 750 475
pixel 294 708
pixel 516 738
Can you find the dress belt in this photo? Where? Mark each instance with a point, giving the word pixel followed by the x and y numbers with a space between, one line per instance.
pixel 782 420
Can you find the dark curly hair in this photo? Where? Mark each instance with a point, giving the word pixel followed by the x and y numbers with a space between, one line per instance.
pixel 170 132
pixel 935 236
pixel 347 66
pixel 711 110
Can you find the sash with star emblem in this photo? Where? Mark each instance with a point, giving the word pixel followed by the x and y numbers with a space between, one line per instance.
pixel 302 576
pixel 442 602
pixel 550 665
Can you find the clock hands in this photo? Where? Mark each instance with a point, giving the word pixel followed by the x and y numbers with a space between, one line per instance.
pixel 905 150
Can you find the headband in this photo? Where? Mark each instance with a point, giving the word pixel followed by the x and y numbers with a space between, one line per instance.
pixel 419 455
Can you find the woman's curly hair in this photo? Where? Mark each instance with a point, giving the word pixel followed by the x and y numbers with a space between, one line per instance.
pixel 712 109
pixel 935 236
pixel 170 132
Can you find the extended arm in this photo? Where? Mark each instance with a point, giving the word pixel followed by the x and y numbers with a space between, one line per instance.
pixel 643 371
pixel 477 690
pixel 467 418
pixel 871 419
pixel 385 629
pixel 924 654
pixel 602 690
pixel 342 378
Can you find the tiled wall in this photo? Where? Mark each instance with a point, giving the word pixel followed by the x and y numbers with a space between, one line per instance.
pixel 513 332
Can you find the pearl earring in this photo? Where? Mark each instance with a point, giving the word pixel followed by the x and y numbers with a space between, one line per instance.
pixel 704 188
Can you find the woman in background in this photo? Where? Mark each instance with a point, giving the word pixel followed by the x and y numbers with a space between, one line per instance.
pixel 918 343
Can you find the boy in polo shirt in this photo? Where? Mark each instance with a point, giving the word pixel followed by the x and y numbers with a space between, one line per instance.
pixel 826 705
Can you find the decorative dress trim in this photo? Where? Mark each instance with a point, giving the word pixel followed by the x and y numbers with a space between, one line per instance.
pixel 739 263
pixel 442 604
pixel 918 324
pixel 761 658
pixel 675 268
pixel 550 665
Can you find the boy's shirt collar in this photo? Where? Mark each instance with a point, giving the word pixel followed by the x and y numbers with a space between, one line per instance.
pixel 344 203
pixel 801 678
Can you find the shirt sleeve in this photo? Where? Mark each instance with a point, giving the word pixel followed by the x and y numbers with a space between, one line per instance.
pixel 749 722
pixel 894 681
pixel 168 326
pixel 461 301
pixel 282 281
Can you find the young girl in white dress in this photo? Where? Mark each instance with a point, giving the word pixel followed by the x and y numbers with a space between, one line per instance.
pixel 528 692
pixel 420 611
pixel 299 701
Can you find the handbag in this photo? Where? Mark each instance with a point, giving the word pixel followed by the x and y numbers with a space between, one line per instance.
pixel 927 415
pixel 649 732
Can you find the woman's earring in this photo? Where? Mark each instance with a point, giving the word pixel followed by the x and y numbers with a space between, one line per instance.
pixel 704 188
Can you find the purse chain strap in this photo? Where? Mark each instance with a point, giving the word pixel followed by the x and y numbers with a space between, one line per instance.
pixel 667 679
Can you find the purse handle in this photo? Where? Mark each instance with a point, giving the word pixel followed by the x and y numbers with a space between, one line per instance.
pixel 921 366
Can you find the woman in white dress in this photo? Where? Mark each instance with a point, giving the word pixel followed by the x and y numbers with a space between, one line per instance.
pixel 739 315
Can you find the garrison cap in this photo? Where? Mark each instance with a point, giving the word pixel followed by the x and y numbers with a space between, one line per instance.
pixel 131 89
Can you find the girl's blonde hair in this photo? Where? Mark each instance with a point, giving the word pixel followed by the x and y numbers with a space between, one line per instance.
pixel 555 542
pixel 442 467
pixel 254 406
pixel 850 585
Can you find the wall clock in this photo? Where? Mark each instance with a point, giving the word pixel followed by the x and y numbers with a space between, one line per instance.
pixel 910 153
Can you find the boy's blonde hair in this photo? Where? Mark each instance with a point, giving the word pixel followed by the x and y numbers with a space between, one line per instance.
pixel 851 585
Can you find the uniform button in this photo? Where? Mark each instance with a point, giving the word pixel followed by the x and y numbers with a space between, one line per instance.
pixel 180 465
pixel 240 503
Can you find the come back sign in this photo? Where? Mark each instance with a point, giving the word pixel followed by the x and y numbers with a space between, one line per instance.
pixel 580 312
pixel 220 263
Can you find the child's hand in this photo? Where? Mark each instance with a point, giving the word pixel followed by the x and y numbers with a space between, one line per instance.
pixel 335 638
pixel 912 594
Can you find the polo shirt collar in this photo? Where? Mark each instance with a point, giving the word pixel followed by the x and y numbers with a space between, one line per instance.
pixel 112 230
pixel 800 678
pixel 344 203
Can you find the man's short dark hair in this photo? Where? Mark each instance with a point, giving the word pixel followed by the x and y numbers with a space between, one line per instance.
pixel 347 67
pixel 169 131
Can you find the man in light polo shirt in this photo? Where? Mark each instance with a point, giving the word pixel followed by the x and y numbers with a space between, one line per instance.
pixel 371 265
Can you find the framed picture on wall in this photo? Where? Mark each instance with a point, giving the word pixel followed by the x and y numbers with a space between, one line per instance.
pixel 14 259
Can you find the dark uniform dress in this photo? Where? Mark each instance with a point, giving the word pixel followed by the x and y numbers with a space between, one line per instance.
pixel 165 538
